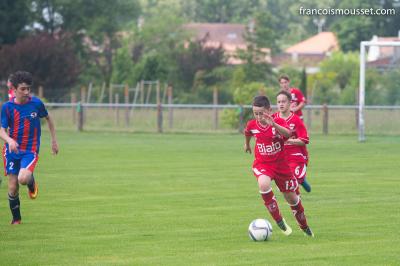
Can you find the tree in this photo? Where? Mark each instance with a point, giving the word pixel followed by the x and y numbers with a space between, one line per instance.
pixel 97 24
pixel 14 16
pixel 156 44
pixel 346 67
pixel 391 81
pixel 351 30
pixel 198 59
pixel 51 61
pixel 219 11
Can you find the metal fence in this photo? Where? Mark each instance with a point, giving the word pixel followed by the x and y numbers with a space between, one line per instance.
pixel 327 119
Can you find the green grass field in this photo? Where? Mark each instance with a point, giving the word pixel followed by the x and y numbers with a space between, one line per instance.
pixel 186 199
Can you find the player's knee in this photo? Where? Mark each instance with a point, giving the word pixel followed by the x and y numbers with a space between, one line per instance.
pixel 264 186
pixel 24 177
pixel 292 198
pixel 264 183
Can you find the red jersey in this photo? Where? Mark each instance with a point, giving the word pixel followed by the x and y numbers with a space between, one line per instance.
pixel 269 143
pixel 10 90
pixel 297 98
pixel 10 94
pixel 295 153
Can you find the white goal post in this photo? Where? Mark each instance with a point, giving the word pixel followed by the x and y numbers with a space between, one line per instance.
pixel 361 105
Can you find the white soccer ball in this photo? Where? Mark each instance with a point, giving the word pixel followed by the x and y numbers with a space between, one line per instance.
pixel 260 230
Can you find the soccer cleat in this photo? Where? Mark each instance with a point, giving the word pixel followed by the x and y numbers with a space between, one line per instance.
pixel 16 222
pixel 285 228
pixel 33 190
pixel 307 231
pixel 306 186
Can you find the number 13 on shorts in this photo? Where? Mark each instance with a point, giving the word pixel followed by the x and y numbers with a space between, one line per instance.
pixel 291 184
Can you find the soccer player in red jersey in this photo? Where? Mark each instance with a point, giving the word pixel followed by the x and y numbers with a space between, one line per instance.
pixel 10 88
pixel 20 129
pixel 270 135
pixel 295 147
pixel 298 100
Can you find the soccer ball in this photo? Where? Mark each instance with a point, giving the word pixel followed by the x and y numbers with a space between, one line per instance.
pixel 260 230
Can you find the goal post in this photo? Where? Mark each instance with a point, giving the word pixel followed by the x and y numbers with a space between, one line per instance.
pixel 361 96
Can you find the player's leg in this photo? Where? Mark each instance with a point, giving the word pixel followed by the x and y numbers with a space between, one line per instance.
pixel 294 201
pixel 11 168
pixel 13 198
pixel 264 185
pixel 299 170
pixel 25 177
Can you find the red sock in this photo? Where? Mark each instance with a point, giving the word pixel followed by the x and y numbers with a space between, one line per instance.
pixel 298 212
pixel 272 205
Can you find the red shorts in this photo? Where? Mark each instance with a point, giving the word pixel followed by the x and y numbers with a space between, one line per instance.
pixel 298 169
pixel 280 173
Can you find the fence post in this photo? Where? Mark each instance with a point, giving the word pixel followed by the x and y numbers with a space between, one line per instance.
pixel 170 109
pixel 83 100
pixel 79 110
pixel 215 102
pixel 325 119
pixel 159 110
pixel 126 93
pixel 73 108
pixel 117 108
pixel 241 119
pixel 40 92
pixel 110 94
pixel 142 91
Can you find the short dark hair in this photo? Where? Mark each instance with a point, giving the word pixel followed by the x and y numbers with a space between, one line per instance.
pixel 288 95
pixel 261 101
pixel 21 77
pixel 284 76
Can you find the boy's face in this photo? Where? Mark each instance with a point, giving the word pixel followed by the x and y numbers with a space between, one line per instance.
pixel 284 84
pixel 259 113
pixel 22 92
pixel 283 103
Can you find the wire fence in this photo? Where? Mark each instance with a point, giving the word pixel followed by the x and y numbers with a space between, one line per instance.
pixel 326 119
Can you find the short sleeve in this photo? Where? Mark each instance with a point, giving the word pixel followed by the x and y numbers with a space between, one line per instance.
pixel 247 130
pixel 4 116
pixel 301 131
pixel 300 96
pixel 42 110
pixel 281 122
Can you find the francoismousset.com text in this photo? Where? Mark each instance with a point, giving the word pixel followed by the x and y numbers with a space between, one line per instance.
pixel 346 11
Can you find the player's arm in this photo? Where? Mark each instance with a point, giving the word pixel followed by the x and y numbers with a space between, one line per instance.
pixel 298 107
pixel 52 129
pixel 302 135
pixel 282 130
pixel 247 147
pixel 12 144
pixel 297 142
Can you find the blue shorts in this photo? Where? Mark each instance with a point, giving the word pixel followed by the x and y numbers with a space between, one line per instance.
pixel 13 162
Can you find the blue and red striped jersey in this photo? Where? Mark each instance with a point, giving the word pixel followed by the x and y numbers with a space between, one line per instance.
pixel 23 122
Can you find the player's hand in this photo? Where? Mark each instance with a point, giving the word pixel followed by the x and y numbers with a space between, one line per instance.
pixel 13 145
pixel 289 141
pixel 247 148
pixel 293 107
pixel 268 118
pixel 54 147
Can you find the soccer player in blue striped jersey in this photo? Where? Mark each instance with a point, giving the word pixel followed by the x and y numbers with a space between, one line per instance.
pixel 20 129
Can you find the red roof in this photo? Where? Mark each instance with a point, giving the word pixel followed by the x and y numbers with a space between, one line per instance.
pixel 387 51
pixel 321 43
pixel 231 37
